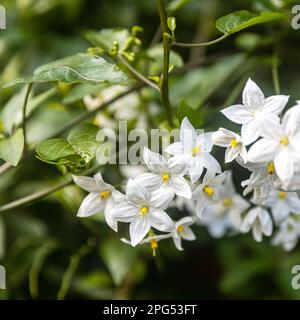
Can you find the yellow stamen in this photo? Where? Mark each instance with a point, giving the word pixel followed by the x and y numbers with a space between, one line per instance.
pixel 271 168
pixel 180 229
pixel 284 141
pixel 209 191
pixel 154 246
pixel 282 195
pixel 165 178
pixel 104 195
pixel 195 150
pixel 144 211
pixel 227 202
pixel 234 143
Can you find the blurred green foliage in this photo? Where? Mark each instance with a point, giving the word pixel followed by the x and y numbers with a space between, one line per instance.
pixel 47 251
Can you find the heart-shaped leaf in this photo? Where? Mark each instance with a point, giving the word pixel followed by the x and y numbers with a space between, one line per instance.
pixel 11 148
pixel 243 19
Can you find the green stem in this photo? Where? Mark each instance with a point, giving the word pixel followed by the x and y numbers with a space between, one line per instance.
pixel 29 87
pixel 137 74
pixel 166 60
pixel 204 44
pixel 275 75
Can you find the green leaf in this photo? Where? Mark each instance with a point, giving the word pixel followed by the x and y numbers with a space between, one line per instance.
pixel 243 19
pixel 54 149
pixel 106 37
pixel 11 148
pixel 75 152
pixel 79 68
pixel 184 110
pixel 83 139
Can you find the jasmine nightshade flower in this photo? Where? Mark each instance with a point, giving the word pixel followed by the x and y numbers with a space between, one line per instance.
pixel 167 175
pixel 152 240
pixel 282 204
pixel 288 234
pixel 102 197
pixel 143 209
pixel 196 149
pixel 207 191
pixel 254 110
pixel 232 142
pixel 280 144
pixel 182 231
pixel 258 219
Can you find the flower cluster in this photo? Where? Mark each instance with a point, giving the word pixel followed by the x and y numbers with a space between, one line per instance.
pixel 191 180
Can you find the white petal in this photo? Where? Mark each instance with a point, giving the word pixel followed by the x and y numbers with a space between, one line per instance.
pixel 124 212
pixel 138 229
pixel 117 196
pixel 284 165
pixel 204 141
pixel 149 181
pixel 175 148
pixel 154 161
pixel 253 98
pixel 108 214
pixel 179 165
pixel 210 163
pixel 178 243
pixel 238 114
pixel 181 187
pixel 269 126
pixel 162 197
pixel 188 234
pixel 160 220
pixel 196 169
pixel 291 121
pixel 257 232
pixel 86 183
pixel 275 104
pixel 293 202
pixel 222 137
pixel 136 193
pixel 231 153
pixel 263 150
pixel 200 206
pixel 188 134
pixel 90 205
pixel 100 182
pixel 250 132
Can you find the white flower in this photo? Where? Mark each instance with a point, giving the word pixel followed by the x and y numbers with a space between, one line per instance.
pixel 152 240
pixel 196 149
pixel 254 110
pixel 280 143
pixel 183 231
pixel 262 178
pixel 143 210
pixel 258 219
pixel 207 191
pixel 232 142
pixel 282 204
pixel 288 234
pixel 102 197
pixel 167 175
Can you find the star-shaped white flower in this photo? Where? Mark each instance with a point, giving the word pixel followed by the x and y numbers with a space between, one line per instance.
pixel 254 110
pixel 182 231
pixel 280 143
pixel 196 149
pixel 282 204
pixel 167 175
pixel 143 209
pixel 102 197
pixel 258 219
pixel 288 234
pixel 207 191
pixel 232 142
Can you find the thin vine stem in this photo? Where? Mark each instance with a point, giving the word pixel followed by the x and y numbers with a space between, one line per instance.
pixel 166 60
pixel 28 90
pixel 137 74
pixel 275 75
pixel 203 44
